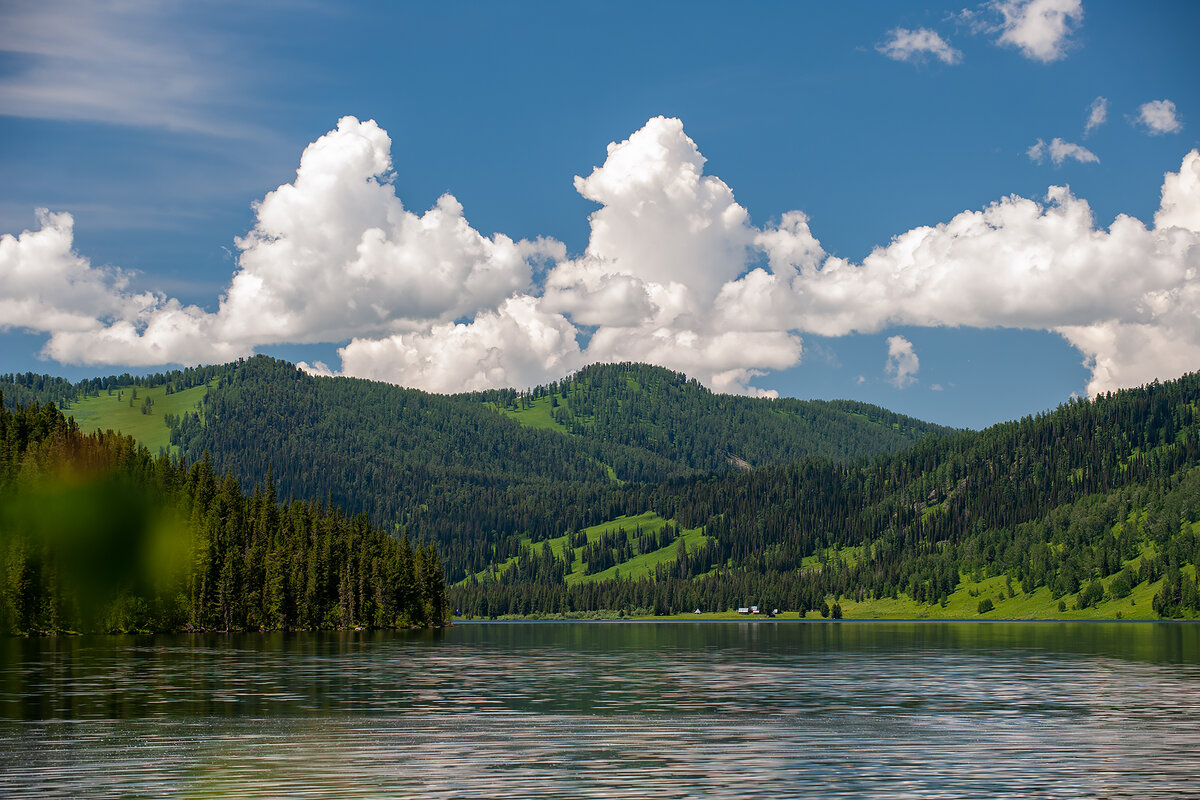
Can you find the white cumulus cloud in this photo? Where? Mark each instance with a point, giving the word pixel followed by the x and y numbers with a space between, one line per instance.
pixel 902 362
pixel 335 254
pixel 162 332
pixel 1180 204
pixel 1040 29
pixel 45 285
pixel 1159 117
pixel 665 241
pixel 674 273
pixel 903 44
pixel 1020 264
pixel 90 314
pixel 662 221
pixel 518 344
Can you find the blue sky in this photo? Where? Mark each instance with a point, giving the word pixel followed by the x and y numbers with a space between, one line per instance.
pixel 163 129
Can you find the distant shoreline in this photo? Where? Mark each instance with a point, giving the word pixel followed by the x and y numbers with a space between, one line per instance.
pixel 674 620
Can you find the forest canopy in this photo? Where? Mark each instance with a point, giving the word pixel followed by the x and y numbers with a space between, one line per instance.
pixel 1090 509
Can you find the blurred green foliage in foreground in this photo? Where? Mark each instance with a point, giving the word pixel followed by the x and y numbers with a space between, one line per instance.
pixel 96 535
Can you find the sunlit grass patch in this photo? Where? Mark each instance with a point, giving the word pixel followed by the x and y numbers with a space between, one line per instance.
pixel 120 411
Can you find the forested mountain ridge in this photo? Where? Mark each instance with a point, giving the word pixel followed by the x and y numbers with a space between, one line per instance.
pixel 666 413
pixel 1093 508
pixel 631 421
pixel 455 471
pixel 458 469
pixel 451 470
pixel 1073 508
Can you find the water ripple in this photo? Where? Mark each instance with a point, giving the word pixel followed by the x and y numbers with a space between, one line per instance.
pixel 610 710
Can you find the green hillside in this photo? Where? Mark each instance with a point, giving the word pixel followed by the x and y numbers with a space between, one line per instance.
pixel 108 403
pixel 665 413
pixel 535 413
pixel 627 488
pixel 646 543
pixel 482 472
pixel 125 410
pixel 1091 511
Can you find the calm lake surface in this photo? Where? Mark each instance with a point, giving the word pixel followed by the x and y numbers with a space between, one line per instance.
pixel 739 709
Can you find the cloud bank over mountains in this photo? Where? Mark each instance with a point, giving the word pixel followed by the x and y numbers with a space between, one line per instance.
pixel 674 273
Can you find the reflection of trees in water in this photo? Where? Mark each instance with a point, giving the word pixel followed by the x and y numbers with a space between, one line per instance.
pixel 612 709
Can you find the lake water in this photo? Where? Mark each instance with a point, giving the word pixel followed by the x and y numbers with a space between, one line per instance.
pixel 739 709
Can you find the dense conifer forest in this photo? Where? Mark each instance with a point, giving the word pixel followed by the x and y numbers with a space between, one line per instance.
pixel 1062 500
pixel 777 503
pixel 666 413
pixel 455 471
pixel 98 535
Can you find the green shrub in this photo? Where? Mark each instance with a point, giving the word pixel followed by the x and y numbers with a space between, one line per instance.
pixel 1091 594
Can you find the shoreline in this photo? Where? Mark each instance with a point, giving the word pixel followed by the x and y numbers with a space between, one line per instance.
pixel 794 620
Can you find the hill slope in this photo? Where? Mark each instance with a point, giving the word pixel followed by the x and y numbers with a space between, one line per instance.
pixel 665 413
pixel 455 470
pixel 468 470
pixel 1090 510
pixel 1078 512
pixel 116 402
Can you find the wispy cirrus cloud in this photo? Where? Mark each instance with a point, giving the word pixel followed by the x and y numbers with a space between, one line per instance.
pixel 1060 151
pixel 127 62
pixel 1097 115
pixel 903 44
